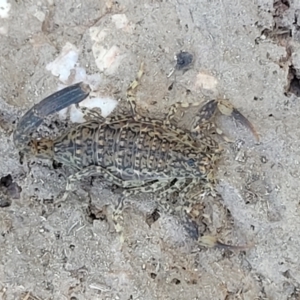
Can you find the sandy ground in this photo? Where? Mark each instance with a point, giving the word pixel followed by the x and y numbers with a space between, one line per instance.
pixel 245 51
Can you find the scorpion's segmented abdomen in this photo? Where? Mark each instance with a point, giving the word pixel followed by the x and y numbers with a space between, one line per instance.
pixel 34 117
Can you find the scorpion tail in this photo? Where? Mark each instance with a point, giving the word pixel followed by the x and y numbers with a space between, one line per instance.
pixel 34 117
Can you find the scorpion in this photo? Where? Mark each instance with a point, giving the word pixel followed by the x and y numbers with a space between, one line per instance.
pixel 132 151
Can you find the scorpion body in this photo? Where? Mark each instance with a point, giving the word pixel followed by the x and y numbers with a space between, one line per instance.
pixel 134 152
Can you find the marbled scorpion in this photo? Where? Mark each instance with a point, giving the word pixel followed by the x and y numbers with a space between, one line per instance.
pixel 134 152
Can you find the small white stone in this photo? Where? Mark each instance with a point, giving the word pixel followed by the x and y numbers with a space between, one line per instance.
pixel 107 59
pixel 3 30
pixel 206 81
pixel 64 63
pixel 4 9
pixel 40 16
pixel 105 104
pixel 120 20
pixel 98 34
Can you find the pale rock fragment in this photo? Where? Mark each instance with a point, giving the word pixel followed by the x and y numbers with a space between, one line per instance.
pixel 3 30
pixel 40 15
pixel 66 68
pixel 98 34
pixel 4 9
pixel 206 81
pixel 64 63
pixel 121 22
pixel 107 59
pixel 105 104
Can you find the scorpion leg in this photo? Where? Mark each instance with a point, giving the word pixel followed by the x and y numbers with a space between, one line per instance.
pixel 131 99
pixel 176 187
pixel 87 172
pixel 206 240
pixel 206 113
pixel 143 188
pixel 174 108
pixel 186 205
pixel 184 208
pixel 162 186
pixel 131 92
pixel 151 188
pixel 117 213
pixel 90 114
pixel 200 135
pixel 132 187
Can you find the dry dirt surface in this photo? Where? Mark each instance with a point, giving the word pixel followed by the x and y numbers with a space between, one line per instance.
pixel 245 51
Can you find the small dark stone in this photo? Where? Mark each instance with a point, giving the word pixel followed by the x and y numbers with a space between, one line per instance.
pixel 152 217
pixel 175 281
pixel 184 60
pixel 263 159
pixel 293 85
pixel 56 165
pixel 6 180
pixel 4 202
